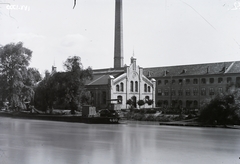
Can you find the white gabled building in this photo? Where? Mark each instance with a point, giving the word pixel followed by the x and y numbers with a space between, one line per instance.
pixel 119 85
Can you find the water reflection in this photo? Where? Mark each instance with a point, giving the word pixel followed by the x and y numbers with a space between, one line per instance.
pixel 33 141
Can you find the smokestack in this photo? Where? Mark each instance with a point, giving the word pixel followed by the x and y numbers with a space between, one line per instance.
pixel 118 40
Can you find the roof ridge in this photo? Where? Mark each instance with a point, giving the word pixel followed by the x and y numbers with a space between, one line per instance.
pixel 196 64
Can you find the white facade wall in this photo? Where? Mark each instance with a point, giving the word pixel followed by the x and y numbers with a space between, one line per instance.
pixel 121 86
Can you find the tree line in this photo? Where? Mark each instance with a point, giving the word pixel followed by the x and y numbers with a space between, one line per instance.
pixel 21 85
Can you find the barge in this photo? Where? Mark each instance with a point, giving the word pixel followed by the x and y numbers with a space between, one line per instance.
pixel 89 116
pixel 64 118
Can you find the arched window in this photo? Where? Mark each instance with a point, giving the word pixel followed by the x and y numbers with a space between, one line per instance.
pixel 117 88
pixel 131 87
pixel 119 99
pixel 146 98
pixel 195 103
pixel 145 87
pixel 121 87
pixel 149 89
pixel 136 86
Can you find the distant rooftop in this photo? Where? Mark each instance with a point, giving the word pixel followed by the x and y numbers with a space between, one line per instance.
pixel 194 69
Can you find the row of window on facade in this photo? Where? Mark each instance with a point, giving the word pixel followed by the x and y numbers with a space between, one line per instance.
pixel 133 87
pixel 195 81
pixel 177 103
pixel 188 92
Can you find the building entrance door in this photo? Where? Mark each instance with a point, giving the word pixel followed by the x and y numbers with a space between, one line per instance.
pixel 134 99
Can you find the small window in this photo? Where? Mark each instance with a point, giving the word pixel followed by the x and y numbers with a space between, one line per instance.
pixel 195 103
pixel 203 91
pixel 220 80
pixel 180 103
pixel 211 91
pixel 165 82
pixel 173 81
pixel 136 86
pixel 203 80
pixel 117 88
pixel 159 92
pixel 195 91
pixel 187 81
pixel 146 98
pixel 119 99
pixel 229 80
pixel 188 103
pixel 220 90
pixel 159 82
pixel 149 89
pixel 145 87
pixel 131 87
pixel 159 103
pixel 180 81
pixel 238 82
pixel 165 103
pixel 195 81
pixel 174 103
pixel 121 87
pixel 211 80
pixel 165 92
pixel 104 97
pixel 173 92
pixel 180 92
pixel 188 93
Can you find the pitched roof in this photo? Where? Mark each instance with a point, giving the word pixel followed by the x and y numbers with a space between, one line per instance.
pixel 194 69
pixel 101 76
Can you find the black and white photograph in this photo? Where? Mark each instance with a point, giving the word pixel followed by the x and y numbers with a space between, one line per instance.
pixel 119 81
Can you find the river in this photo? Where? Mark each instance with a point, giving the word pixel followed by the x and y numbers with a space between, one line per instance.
pixel 48 142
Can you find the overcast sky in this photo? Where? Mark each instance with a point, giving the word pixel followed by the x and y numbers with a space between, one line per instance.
pixel 159 32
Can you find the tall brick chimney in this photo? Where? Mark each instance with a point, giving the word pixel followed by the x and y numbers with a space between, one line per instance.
pixel 118 40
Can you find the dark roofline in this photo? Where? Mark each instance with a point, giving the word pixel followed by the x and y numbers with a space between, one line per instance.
pixel 190 64
pixel 108 69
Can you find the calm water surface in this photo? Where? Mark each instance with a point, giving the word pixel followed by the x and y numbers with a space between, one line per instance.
pixel 47 142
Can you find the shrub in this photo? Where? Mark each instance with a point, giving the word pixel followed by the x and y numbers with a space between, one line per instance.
pixel 221 110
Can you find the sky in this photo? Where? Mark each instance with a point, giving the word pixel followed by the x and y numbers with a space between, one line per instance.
pixel 156 32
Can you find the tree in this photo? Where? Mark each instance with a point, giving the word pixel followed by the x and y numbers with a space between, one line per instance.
pixel 130 103
pixel 65 88
pixel 16 78
pixel 140 103
pixel 222 109
pixel 149 102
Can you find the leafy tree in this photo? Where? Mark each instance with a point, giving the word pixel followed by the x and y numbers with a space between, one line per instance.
pixel 65 87
pixel 17 80
pixel 222 109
